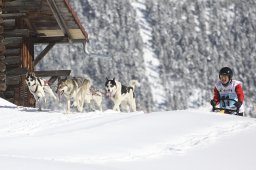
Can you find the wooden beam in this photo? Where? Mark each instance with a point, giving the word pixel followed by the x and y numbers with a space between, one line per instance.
pixel 76 34
pixel 11 52
pixel 1 38
pixel 8 23
pixel 9 94
pixel 59 18
pixel 22 5
pixel 2 77
pixel 47 14
pixel 43 53
pixel 12 80
pixel 52 80
pixel 12 60
pixel 77 21
pixel 3 86
pixel 12 15
pixel 16 72
pixel 45 40
pixel 17 3
pixel 52 73
pixel 2 48
pixel 51 33
pixel 2 66
pixel 1 29
pixel 12 42
pixel 44 23
pixel 1 20
pixel 29 24
pixel 2 57
pixel 17 33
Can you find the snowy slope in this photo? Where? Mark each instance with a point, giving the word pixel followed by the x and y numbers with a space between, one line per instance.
pixel 188 139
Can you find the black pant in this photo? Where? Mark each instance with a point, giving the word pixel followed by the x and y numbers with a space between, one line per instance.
pixel 231 112
pixel 240 114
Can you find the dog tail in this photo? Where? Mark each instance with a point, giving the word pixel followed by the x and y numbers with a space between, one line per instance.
pixel 134 83
pixel 85 87
pixel 87 82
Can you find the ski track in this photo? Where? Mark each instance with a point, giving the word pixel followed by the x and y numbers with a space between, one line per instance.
pixel 180 146
pixel 151 152
pixel 204 138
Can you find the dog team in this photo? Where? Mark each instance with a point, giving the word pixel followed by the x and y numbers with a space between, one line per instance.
pixel 81 92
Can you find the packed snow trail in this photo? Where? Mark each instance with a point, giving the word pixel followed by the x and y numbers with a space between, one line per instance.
pixel 114 140
pixel 117 136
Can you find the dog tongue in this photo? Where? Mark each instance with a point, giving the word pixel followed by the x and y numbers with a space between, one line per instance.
pixel 108 94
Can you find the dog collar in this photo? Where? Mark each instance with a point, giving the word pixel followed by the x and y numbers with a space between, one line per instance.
pixel 36 89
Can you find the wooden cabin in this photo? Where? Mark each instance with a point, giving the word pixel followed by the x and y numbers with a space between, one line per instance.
pixel 24 23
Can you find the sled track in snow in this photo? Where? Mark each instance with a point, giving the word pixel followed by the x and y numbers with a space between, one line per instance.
pixel 208 137
pixel 39 124
pixel 176 146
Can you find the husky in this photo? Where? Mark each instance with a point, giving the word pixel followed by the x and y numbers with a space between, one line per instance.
pixel 69 89
pixel 80 90
pixel 87 94
pixel 39 88
pixel 121 95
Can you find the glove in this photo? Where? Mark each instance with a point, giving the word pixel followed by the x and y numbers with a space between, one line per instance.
pixel 238 104
pixel 213 103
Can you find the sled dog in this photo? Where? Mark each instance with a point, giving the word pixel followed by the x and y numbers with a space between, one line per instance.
pixel 121 95
pixel 39 88
pixel 68 87
pixel 81 91
pixel 87 94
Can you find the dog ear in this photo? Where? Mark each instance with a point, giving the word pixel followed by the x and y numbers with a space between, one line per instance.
pixel 59 80
pixel 114 79
pixel 33 74
pixel 106 78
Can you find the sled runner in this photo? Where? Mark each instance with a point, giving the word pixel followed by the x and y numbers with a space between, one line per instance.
pixel 227 106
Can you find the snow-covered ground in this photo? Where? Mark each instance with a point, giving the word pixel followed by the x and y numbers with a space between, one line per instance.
pixel 180 140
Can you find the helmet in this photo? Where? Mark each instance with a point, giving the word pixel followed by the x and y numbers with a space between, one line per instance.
pixel 226 71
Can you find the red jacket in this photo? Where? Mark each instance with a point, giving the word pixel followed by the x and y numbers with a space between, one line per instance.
pixel 239 92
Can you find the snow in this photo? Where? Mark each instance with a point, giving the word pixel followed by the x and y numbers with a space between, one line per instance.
pixel 184 139
pixel 151 61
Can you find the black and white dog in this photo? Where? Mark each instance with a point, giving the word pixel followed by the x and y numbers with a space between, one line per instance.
pixel 39 88
pixel 121 95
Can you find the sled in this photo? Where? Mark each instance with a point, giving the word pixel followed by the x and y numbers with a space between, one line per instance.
pixel 226 108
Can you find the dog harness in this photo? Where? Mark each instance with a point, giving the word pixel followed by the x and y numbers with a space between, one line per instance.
pixel 95 92
pixel 45 83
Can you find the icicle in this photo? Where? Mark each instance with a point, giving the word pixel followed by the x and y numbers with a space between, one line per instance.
pixel 85 45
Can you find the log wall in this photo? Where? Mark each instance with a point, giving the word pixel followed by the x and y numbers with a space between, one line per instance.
pixel 16 53
pixel 3 85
